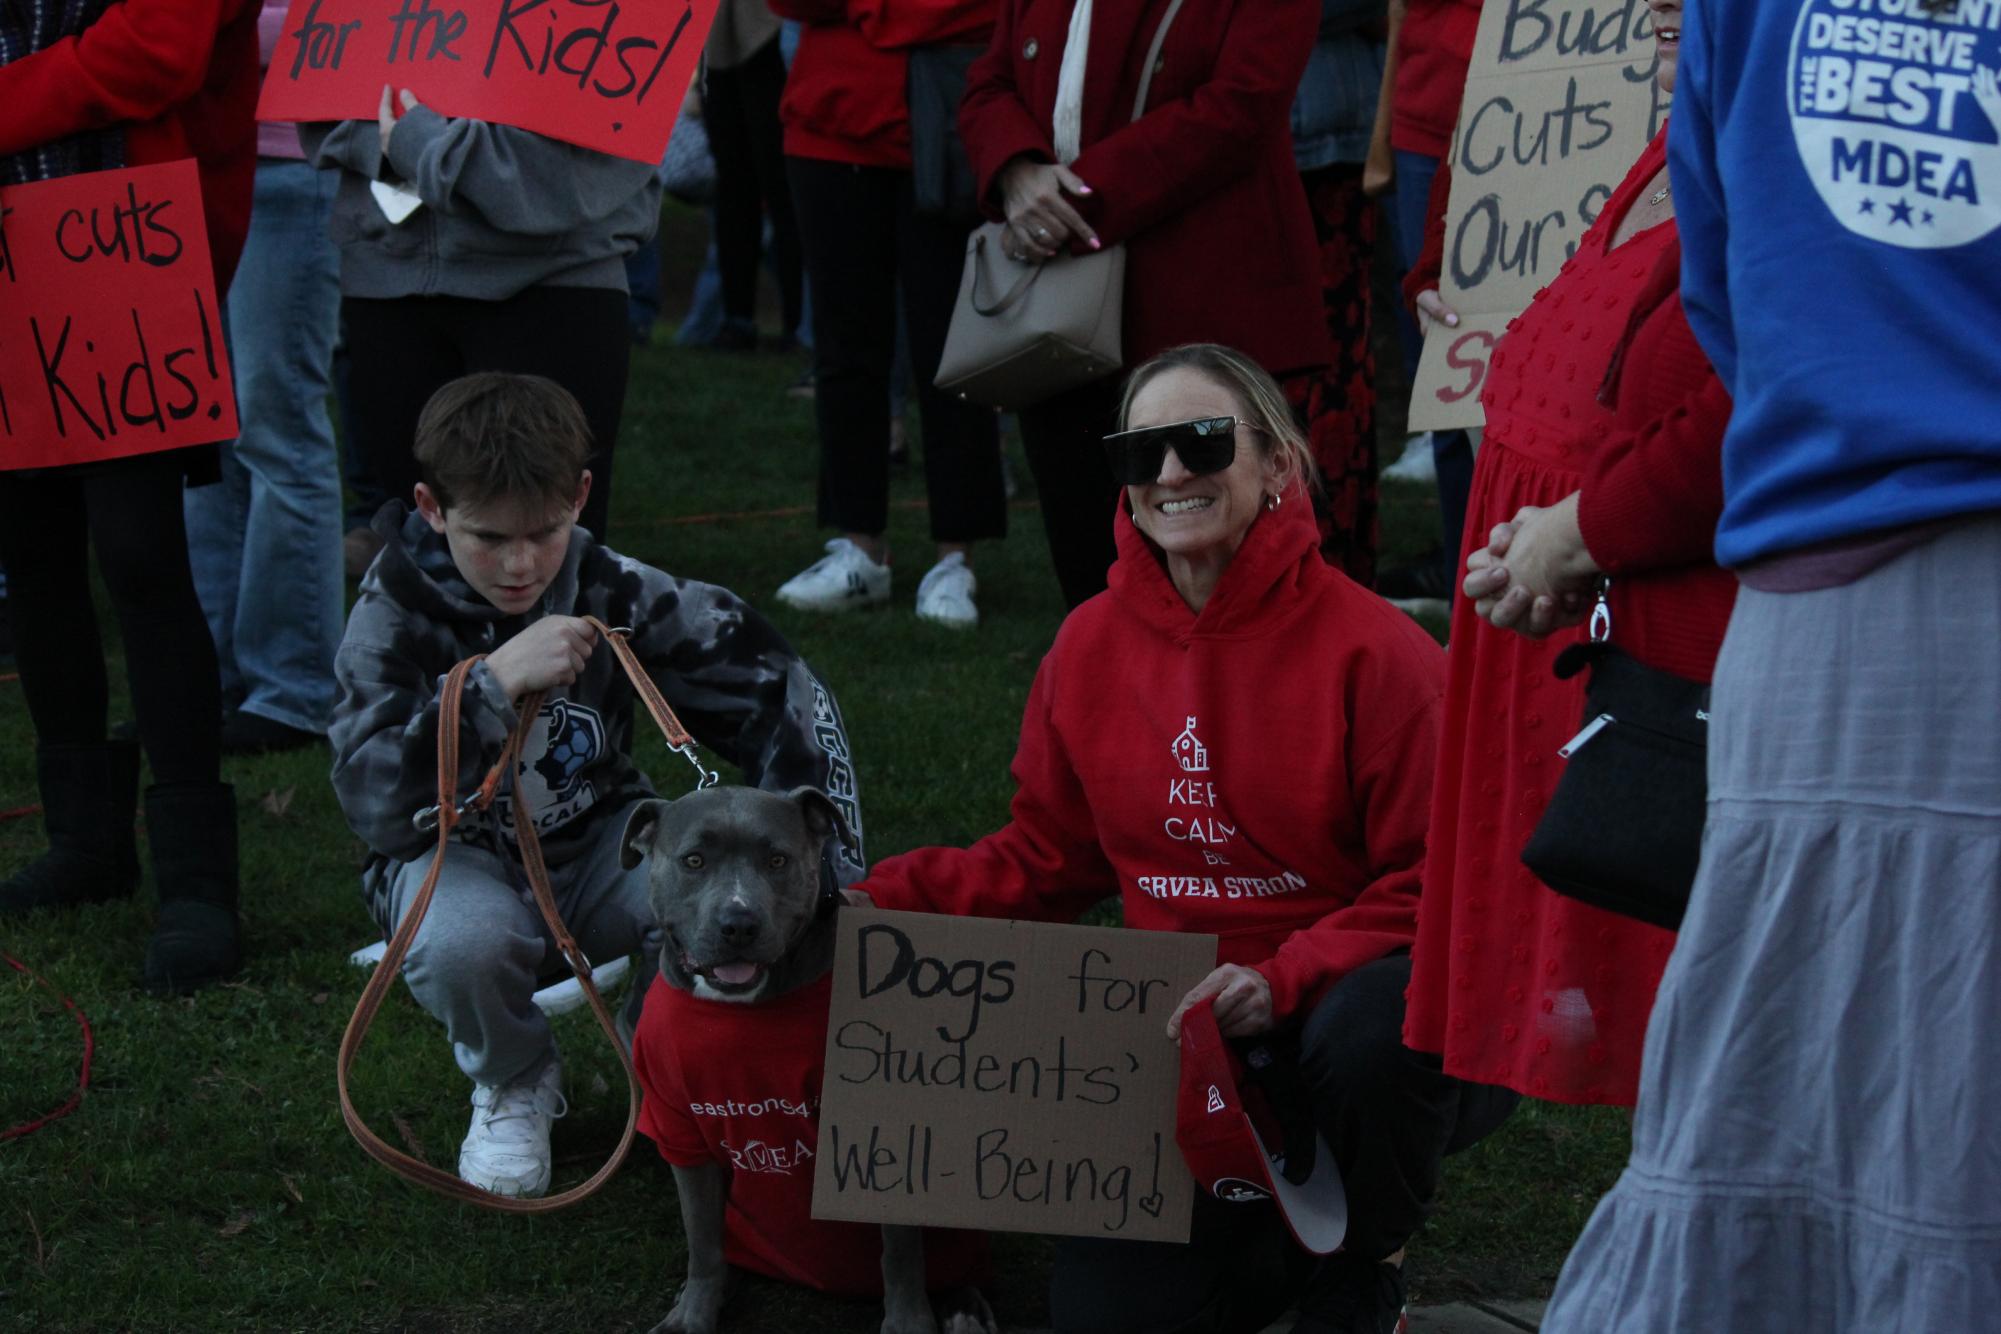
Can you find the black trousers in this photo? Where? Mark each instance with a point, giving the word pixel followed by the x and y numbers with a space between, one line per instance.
pixel 1389 1114
pixel 740 109
pixel 400 351
pixel 129 512
pixel 1064 440
pixel 863 242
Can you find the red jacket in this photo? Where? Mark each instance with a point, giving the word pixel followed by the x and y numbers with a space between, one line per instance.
pixel 845 98
pixel 1434 46
pixel 1653 490
pixel 1202 188
pixel 1261 771
pixel 179 75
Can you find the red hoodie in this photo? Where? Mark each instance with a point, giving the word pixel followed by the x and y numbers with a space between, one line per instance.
pixel 1434 47
pixel 845 97
pixel 179 75
pixel 1261 771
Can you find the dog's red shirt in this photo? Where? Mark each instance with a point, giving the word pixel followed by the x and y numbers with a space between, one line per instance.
pixel 739 1085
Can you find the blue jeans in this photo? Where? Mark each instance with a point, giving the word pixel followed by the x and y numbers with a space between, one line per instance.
pixel 1451 451
pixel 265 544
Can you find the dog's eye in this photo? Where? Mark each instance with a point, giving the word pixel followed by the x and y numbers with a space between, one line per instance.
pixel 777 861
pixel 693 861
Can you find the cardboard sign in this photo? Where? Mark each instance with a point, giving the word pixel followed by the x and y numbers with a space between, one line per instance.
pixel 1010 1076
pixel 110 333
pixel 597 73
pixel 1560 99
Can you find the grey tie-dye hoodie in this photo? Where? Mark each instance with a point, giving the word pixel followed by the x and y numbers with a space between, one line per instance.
pixel 728 674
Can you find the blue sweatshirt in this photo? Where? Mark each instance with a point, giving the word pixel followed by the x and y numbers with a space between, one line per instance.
pixel 1837 180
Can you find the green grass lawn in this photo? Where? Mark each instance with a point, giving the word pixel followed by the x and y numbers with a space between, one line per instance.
pixel 208 1183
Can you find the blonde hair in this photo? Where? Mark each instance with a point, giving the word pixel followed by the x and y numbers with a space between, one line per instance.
pixel 1262 402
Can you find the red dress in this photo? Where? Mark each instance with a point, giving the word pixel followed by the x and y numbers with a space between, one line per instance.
pixel 1511 982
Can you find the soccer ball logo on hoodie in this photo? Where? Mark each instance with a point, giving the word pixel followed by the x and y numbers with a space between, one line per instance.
pixel 550 773
pixel 1897 116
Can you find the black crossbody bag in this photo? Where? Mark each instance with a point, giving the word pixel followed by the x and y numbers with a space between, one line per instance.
pixel 1624 829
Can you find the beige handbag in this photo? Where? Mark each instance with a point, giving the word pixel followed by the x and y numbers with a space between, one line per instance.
pixel 1023 331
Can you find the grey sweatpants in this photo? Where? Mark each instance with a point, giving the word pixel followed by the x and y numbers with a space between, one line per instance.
pixel 483 948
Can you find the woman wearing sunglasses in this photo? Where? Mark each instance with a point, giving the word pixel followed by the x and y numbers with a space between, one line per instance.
pixel 1201 190
pixel 1235 738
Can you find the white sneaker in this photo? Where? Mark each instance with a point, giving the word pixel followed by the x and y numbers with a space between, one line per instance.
pixel 1417 463
pixel 845 577
pixel 946 594
pixel 507 1149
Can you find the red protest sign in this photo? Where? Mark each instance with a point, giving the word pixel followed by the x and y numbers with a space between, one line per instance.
pixel 590 72
pixel 110 335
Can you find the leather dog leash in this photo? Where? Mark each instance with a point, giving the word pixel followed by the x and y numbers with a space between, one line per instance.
pixel 446 815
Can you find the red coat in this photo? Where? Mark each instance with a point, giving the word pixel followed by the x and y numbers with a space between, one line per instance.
pixel 1202 188
pixel 1434 47
pixel 179 75
pixel 845 98
pixel 1261 771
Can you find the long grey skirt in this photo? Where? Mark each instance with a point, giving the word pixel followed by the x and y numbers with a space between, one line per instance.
pixel 1817 1146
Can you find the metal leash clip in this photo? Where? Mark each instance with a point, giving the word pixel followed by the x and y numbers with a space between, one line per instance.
pixel 1601 615
pixel 426 820
pixel 708 776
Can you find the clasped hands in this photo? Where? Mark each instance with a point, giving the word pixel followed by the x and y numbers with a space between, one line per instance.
pixel 1534 576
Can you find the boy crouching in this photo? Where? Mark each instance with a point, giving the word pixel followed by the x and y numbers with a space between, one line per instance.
pixel 492 562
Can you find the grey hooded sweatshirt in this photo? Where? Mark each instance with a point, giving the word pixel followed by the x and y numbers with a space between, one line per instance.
pixel 504 209
pixel 729 676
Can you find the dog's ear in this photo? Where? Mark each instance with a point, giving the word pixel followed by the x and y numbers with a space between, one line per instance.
pixel 823 817
pixel 637 840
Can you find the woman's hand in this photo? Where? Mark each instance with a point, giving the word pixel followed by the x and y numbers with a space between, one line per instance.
pixel 385 116
pixel 1243 1002
pixel 1535 575
pixel 1040 221
pixel 1431 309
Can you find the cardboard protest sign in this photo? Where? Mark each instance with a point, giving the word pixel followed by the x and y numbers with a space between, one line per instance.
pixel 1560 99
pixel 598 73
pixel 1010 1076
pixel 110 332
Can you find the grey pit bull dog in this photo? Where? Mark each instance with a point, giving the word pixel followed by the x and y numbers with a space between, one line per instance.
pixel 736 887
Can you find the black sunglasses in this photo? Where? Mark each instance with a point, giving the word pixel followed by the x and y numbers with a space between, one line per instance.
pixel 1205 445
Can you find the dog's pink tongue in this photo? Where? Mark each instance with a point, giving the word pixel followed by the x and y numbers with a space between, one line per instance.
pixel 735 974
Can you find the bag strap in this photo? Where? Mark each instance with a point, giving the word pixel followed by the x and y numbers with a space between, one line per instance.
pixel 1152 55
pixel 447 814
pixel 1012 295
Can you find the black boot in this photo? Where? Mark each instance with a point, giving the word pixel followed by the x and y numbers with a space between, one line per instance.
pixel 89 794
pixel 191 830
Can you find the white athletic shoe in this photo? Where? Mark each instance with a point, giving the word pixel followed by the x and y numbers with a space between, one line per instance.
pixel 1416 464
pixel 946 594
pixel 507 1149
pixel 845 577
